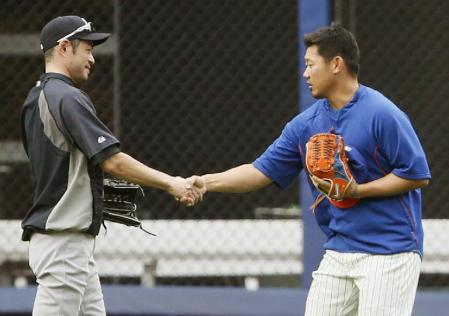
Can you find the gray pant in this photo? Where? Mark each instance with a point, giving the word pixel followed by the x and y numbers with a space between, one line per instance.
pixel 66 273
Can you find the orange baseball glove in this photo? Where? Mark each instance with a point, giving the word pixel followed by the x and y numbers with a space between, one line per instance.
pixel 326 159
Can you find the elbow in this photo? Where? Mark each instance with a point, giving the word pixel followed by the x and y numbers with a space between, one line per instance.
pixel 421 183
pixel 112 165
pixel 424 183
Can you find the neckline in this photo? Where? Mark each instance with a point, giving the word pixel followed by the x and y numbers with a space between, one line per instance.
pixel 348 105
pixel 56 75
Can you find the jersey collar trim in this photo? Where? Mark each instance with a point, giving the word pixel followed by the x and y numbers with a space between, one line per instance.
pixel 349 105
pixel 55 75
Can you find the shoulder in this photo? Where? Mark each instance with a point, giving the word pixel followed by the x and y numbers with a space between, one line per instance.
pixel 377 101
pixel 312 111
pixel 32 96
pixel 378 105
pixel 309 114
pixel 297 126
pixel 383 115
pixel 76 96
pixel 63 94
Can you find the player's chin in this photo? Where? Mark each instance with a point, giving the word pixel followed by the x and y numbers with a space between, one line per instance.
pixel 84 76
pixel 317 94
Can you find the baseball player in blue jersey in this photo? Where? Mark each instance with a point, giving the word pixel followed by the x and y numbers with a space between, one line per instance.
pixel 69 148
pixel 374 248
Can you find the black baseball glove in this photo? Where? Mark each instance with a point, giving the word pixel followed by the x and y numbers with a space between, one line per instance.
pixel 121 199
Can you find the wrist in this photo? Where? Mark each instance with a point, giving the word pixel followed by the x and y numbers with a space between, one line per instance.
pixel 353 191
pixel 203 180
pixel 168 184
pixel 361 191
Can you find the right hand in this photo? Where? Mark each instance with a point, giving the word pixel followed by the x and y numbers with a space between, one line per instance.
pixel 197 187
pixel 184 192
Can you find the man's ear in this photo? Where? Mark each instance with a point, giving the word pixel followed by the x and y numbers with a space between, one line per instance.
pixel 338 64
pixel 62 47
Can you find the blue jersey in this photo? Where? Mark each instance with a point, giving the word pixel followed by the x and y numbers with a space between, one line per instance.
pixel 380 140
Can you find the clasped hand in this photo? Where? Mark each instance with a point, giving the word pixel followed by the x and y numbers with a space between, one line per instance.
pixel 188 191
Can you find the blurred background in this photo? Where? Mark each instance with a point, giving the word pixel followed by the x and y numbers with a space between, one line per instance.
pixel 199 86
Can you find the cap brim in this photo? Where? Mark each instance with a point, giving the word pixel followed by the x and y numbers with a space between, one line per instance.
pixel 95 38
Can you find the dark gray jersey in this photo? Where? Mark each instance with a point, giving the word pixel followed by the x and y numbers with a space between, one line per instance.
pixel 65 141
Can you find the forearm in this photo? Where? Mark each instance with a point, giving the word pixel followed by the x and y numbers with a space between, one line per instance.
pixel 244 178
pixel 127 168
pixel 389 185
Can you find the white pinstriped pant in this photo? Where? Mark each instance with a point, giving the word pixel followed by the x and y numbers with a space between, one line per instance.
pixel 349 284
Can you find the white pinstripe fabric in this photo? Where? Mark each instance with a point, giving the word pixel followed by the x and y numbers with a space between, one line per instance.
pixel 358 284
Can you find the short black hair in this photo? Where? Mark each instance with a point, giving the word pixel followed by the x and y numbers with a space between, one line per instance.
pixel 334 41
pixel 48 54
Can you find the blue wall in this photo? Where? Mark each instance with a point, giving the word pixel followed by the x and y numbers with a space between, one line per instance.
pixel 189 301
pixel 312 14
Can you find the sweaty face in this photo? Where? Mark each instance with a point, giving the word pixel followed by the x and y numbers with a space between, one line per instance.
pixel 318 73
pixel 80 61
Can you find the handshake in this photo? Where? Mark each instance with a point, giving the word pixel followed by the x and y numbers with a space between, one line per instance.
pixel 189 191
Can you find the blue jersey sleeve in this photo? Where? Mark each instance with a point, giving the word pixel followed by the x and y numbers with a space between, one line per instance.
pixel 400 145
pixel 282 162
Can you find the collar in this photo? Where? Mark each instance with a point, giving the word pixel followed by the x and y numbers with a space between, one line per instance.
pixel 360 91
pixel 54 75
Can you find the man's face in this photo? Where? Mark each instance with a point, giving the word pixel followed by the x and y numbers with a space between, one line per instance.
pixel 318 73
pixel 80 61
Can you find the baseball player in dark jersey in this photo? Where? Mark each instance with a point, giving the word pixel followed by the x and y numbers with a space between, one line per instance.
pixel 374 248
pixel 69 148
